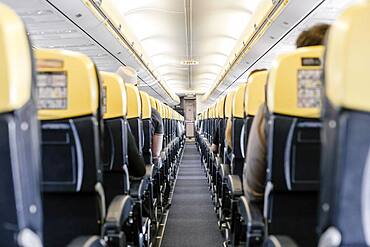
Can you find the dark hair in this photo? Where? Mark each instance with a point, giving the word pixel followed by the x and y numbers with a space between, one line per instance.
pixel 315 35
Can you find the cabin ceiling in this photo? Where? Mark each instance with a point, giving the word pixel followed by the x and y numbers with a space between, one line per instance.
pixel 164 33
pixel 172 31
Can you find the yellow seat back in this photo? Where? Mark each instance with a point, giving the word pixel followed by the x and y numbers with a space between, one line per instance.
pixel 347 73
pixel 15 62
pixel 67 84
pixel 255 92
pixel 133 102
pixel 153 103
pixel 146 108
pixel 229 104
pixel 221 107
pixel 294 84
pixel 238 101
pixel 114 96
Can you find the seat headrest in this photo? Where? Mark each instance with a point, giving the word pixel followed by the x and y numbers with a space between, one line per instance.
pixel 67 84
pixel 347 73
pixel 128 74
pixel 255 92
pixel 146 108
pixel 205 114
pixel 164 111
pixel 229 104
pixel 153 103
pixel 294 83
pixel 15 62
pixel 170 113
pixel 221 107
pixel 210 112
pixel 238 101
pixel 161 109
pixel 133 102
pixel 215 110
pixel 114 96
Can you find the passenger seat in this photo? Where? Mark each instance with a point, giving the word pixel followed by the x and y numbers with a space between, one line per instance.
pixel 20 204
pixel 345 167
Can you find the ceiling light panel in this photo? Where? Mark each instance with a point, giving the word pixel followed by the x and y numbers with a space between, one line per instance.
pixel 324 13
pixel 48 28
pixel 162 27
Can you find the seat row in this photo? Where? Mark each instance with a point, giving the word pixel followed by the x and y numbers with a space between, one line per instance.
pixel 64 149
pixel 316 114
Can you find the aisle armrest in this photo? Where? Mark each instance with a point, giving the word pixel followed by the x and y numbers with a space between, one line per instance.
pixel 279 240
pixel 139 186
pixel 118 213
pixel 150 171
pixel 224 170
pixel 235 185
pixel 87 241
pixel 253 219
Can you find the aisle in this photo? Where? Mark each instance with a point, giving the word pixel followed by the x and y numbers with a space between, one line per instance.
pixel 191 220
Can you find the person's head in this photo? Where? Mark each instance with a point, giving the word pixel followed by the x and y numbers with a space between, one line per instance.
pixel 315 35
pixel 128 74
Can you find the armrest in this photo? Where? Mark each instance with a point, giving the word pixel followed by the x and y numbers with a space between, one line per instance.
pixel 87 241
pixel 138 187
pixel 150 171
pixel 277 241
pixel 235 185
pixel 253 218
pixel 118 213
pixel 28 238
pixel 224 170
pixel 164 154
pixel 217 162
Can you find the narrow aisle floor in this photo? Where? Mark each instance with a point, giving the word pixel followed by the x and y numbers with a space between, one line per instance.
pixel 191 220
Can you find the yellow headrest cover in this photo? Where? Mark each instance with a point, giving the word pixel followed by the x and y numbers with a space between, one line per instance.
pixel 172 114
pixel 294 84
pixel 162 110
pixel 146 108
pixel 15 62
pixel 229 104
pixel 169 113
pixel 153 104
pixel 210 112
pixel 347 73
pixel 255 92
pixel 214 111
pixel 133 101
pixel 114 96
pixel 205 114
pixel 221 107
pixel 238 101
pixel 67 84
pixel 159 107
